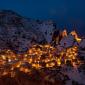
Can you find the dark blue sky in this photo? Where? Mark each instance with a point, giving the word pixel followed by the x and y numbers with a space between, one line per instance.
pixel 65 12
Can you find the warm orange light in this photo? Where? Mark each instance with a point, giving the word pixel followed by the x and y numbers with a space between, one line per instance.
pixel 78 40
pixel 39 56
pixel 64 33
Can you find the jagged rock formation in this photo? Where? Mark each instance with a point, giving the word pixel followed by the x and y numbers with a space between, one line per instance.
pixel 67 41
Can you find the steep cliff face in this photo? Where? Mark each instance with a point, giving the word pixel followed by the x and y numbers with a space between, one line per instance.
pixel 67 41
pixel 19 33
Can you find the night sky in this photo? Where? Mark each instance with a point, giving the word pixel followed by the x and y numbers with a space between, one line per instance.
pixel 64 12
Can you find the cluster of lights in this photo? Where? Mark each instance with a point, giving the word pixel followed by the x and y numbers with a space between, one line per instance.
pixel 37 57
pixel 69 54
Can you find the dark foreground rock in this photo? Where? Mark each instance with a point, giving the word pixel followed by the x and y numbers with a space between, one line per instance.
pixel 35 78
